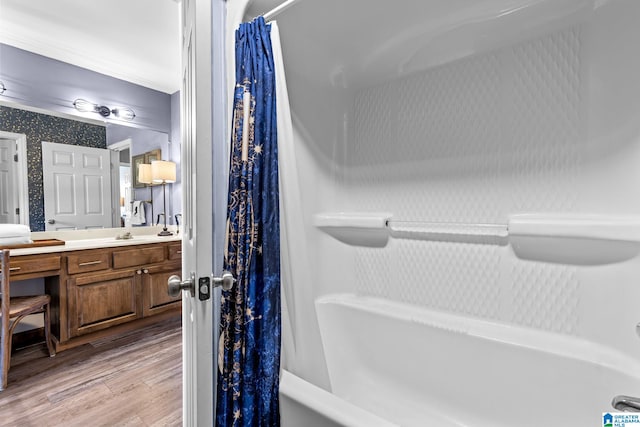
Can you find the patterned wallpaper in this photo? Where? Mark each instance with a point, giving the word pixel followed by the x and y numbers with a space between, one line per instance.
pixel 42 127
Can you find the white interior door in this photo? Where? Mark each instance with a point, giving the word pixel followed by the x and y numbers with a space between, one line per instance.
pixel 8 187
pixel 77 187
pixel 201 240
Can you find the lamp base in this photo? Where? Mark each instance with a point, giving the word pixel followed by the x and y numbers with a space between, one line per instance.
pixel 165 232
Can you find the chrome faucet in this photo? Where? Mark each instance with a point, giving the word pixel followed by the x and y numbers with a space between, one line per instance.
pixel 626 403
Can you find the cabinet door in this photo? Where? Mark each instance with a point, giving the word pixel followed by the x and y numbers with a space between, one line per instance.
pixel 103 300
pixel 154 289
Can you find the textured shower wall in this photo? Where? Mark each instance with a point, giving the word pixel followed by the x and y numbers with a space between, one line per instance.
pixel 475 141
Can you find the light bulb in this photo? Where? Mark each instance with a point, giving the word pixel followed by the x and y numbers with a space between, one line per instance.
pixel 124 113
pixel 84 106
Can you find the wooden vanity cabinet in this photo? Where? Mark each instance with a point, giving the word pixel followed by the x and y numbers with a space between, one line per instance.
pixel 117 286
pixel 97 292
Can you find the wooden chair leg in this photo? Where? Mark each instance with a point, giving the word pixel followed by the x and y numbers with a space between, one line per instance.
pixel 5 356
pixel 12 327
pixel 47 331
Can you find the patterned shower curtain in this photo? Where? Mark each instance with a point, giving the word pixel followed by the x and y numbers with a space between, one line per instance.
pixel 249 358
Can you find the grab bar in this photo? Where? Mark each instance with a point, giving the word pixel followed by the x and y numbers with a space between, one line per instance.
pixel 488 230
pixel 626 403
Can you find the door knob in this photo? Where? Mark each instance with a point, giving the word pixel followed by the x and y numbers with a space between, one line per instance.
pixel 175 285
pixel 226 281
pixel 52 221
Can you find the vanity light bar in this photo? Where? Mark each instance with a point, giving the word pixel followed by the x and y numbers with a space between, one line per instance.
pixel 85 106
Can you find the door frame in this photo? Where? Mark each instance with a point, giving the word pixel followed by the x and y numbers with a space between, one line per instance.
pixel 115 149
pixel 220 167
pixel 21 173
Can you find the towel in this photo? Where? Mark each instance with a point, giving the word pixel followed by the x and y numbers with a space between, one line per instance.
pixel 14 230
pixel 138 216
pixel 8 241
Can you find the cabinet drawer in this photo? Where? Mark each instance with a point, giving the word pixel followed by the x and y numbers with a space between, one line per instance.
pixel 25 265
pixel 138 257
pixel 87 261
pixel 175 251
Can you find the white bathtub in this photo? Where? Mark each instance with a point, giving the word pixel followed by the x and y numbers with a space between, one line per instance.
pixel 416 367
pixel 304 404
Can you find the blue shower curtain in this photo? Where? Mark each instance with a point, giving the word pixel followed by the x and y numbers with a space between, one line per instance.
pixel 249 359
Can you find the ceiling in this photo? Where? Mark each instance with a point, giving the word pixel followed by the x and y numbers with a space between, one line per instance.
pixel 133 40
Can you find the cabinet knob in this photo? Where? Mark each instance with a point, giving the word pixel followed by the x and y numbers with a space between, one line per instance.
pixel 145 271
pixel 138 271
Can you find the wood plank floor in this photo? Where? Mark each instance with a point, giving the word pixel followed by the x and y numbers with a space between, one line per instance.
pixel 128 380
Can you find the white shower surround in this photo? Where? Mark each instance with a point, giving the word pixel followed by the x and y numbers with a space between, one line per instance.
pixel 469 112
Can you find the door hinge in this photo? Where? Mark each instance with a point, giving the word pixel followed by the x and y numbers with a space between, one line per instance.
pixel 15 158
pixel 17 211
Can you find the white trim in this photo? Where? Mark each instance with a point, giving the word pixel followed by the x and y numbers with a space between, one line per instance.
pixel 125 144
pixel 121 145
pixel 114 159
pixel 116 147
pixel 23 181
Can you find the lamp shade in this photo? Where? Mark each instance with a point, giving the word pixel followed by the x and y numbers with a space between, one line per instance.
pixel 163 171
pixel 144 173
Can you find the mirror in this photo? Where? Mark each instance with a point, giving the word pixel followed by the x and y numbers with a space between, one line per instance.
pixel 22 198
pixel 130 88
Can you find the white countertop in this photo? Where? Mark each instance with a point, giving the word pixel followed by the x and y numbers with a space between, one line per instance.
pixel 96 239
